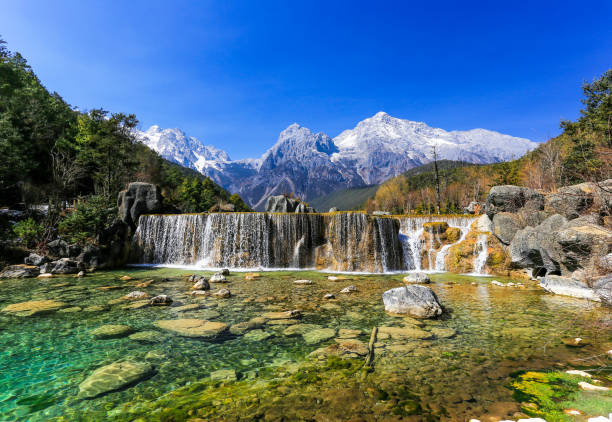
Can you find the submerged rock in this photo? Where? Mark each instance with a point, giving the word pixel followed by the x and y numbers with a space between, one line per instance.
pixel 568 287
pixel 294 314
pixel 112 331
pixel 300 329
pixel 34 307
pixel 419 278
pixel 161 300
pixel 145 337
pixel 418 301
pixel 223 375
pixel 243 327
pixel 222 294
pixel 190 327
pixel 318 335
pixel 136 295
pixel 302 282
pixel 349 289
pixel 114 377
pixel 257 335
pixel 405 333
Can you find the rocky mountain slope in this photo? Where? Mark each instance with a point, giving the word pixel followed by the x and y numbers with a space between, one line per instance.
pixel 313 164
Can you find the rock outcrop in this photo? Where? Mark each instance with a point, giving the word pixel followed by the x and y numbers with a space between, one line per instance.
pixel 139 198
pixel 284 204
pixel 564 238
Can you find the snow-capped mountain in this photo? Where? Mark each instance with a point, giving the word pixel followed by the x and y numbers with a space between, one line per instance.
pixel 313 164
pixel 176 146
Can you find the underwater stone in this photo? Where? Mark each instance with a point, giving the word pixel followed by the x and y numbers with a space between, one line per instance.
pixel 112 331
pixel 318 335
pixel 114 377
pixel 404 333
pixel 348 333
pixel 199 293
pixel 418 301
pixel 223 375
pixel 145 337
pixel 257 335
pixel 443 332
pixel 222 293
pixel 353 346
pixel 136 295
pixel 293 314
pixel 161 300
pixel 186 308
pixel 190 327
pixel 299 329
pixel 420 278
pixel 33 307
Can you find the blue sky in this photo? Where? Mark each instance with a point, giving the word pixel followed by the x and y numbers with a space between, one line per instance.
pixel 235 73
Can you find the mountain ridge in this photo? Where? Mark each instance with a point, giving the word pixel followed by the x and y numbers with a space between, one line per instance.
pixel 312 164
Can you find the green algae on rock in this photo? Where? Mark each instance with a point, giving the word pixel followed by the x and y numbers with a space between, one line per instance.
pixel 34 307
pixel 112 331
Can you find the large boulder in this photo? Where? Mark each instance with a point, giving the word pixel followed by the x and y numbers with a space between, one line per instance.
pixel 573 201
pixel 302 208
pixel 415 300
pixel 509 198
pixel 537 248
pixel 281 203
pixel 568 287
pixel 58 248
pixel 138 199
pixel 505 226
pixel 580 244
pixel 19 271
pixel 66 266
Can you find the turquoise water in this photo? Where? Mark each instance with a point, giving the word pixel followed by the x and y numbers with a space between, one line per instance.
pixel 44 358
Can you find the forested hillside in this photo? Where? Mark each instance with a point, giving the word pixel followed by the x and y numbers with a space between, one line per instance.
pixel 583 152
pixel 55 156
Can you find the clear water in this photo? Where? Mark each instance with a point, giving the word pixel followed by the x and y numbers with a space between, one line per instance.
pixel 44 358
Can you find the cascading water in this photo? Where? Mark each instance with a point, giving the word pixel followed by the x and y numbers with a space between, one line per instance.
pixel 481 250
pixel 411 235
pixel 351 241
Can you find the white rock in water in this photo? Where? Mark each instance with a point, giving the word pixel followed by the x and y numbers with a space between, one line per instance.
pixel 416 300
pixel 498 283
pixel 566 286
pixel 349 289
pixel 599 419
pixel 590 387
pixel 302 282
pixel 333 278
pixel 577 372
pixel 421 278
pixel 218 278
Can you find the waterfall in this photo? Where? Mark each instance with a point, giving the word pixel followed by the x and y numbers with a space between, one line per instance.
pixel 350 241
pixel 411 235
pixel 481 250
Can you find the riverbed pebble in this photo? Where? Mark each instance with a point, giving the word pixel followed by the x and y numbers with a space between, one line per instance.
pixel 349 289
pixel 302 282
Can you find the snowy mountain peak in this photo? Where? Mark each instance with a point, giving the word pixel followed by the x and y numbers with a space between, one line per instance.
pixel 312 164
pixel 174 145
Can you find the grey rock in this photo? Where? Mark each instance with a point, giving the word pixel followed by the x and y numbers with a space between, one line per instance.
pixel 58 248
pixel 35 259
pixel 568 287
pixel 509 198
pixel 471 208
pixel 218 278
pixel 417 278
pixel 281 203
pixel 19 271
pixel 505 226
pixel 90 257
pixel 418 301
pixel 605 262
pixel 603 289
pixel 225 272
pixel 333 209
pixel 580 243
pixel 201 284
pixel 66 266
pixel 381 213
pixel 139 198
pixel 536 247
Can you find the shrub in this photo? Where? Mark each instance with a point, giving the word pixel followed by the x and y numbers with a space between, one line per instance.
pixel 29 232
pixel 90 217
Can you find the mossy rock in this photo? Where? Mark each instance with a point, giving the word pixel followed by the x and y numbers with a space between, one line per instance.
pixel 113 377
pixel 34 307
pixel 190 327
pixel 453 234
pixel 112 331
